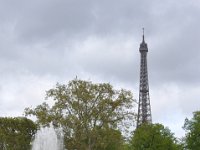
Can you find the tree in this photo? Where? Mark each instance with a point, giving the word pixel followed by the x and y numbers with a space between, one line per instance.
pixel 16 133
pixel 110 139
pixel 192 128
pixel 89 113
pixel 153 137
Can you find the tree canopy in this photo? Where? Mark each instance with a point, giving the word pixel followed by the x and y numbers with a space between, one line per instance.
pixel 90 114
pixel 192 128
pixel 153 137
pixel 16 133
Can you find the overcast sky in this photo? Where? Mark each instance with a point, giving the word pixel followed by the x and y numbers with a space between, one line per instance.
pixel 50 41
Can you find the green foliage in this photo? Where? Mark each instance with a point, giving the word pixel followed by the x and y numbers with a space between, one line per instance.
pixel 126 146
pixel 192 128
pixel 153 137
pixel 16 133
pixel 89 113
pixel 110 139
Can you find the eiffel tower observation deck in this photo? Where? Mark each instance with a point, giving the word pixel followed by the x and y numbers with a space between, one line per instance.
pixel 144 107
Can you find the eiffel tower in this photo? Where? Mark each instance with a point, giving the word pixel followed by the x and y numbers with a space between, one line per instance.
pixel 144 107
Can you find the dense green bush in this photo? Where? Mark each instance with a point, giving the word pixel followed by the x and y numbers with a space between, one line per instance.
pixel 16 133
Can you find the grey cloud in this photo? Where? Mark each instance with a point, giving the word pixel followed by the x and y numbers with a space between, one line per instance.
pixel 43 20
pixel 177 58
pixel 43 35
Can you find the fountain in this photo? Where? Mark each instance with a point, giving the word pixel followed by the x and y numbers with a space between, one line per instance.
pixel 48 138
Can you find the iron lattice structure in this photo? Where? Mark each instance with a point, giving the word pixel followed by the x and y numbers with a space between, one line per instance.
pixel 144 107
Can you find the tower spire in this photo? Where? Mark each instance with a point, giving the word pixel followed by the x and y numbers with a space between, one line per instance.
pixel 143 35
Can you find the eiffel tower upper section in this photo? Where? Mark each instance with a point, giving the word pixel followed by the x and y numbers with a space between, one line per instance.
pixel 144 107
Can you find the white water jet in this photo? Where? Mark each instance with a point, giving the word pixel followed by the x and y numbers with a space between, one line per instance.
pixel 48 138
